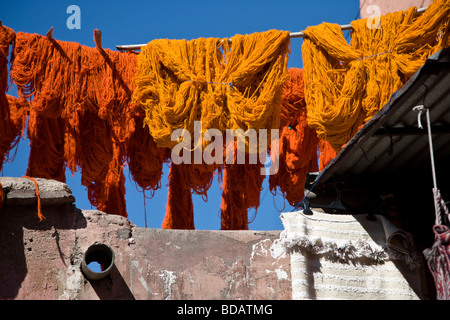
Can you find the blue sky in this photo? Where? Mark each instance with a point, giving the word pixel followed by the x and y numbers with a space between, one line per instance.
pixel 138 21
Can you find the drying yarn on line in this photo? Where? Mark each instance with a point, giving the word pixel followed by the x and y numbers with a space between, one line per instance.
pixel 185 179
pixel 223 85
pixel 345 85
pixel 241 190
pixel 39 209
pixel 297 143
pixel 299 147
pixel 12 111
pixel 180 208
pixel 80 113
pixel 98 111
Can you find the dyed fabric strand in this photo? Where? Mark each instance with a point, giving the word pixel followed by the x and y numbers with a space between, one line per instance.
pixel 46 137
pixel 224 86
pixel 297 144
pixel 241 191
pixel 12 114
pixel 145 159
pixel 40 215
pixel 180 208
pixel 327 153
pixel 184 180
pixel 347 84
pixel 179 82
pixel 438 256
pixel 80 113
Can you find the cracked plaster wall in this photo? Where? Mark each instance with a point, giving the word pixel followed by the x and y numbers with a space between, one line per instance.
pixel 41 260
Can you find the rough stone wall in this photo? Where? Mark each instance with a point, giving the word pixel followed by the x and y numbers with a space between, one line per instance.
pixel 41 260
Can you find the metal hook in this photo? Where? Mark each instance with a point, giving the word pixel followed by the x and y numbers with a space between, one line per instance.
pixel 419 109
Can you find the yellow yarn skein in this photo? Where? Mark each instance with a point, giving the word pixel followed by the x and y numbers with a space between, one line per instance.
pixel 346 85
pixel 225 84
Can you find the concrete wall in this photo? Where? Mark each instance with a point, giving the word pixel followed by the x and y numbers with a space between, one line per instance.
pixel 41 260
pixel 387 6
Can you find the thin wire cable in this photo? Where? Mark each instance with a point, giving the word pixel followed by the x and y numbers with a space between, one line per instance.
pixel 298 34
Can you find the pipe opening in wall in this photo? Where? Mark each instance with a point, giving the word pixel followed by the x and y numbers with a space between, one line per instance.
pixel 97 261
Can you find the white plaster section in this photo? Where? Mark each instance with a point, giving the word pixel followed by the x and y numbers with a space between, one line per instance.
pixel 266 248
pixel 277 250
pixel 144 284
pixel 74 283
pixel 281 274
pixel 169 279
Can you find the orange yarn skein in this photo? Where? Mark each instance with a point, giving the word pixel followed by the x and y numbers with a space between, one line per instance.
pixel 80 113
pixel 11 111
pixel 297 143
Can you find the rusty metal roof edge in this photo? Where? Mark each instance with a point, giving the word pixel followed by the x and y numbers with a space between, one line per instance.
pixel 378 119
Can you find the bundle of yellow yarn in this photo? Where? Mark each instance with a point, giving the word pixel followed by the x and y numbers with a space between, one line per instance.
pixel 345 85
pixel 224 83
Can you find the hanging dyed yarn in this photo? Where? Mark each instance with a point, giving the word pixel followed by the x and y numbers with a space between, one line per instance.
pixel 297 143
pixel 241 190
pixel 327 153
pixel 185 179
pixel 345 85
pixel 223 85
pixel 80 113
pixel 145 159
pixel 12 111
pixel 7 37
pixel 180 209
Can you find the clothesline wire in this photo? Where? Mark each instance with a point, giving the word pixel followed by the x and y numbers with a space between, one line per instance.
pixel 374 55
pixel 298 34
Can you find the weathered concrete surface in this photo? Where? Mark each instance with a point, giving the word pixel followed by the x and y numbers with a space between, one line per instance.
pixel 41 260
pixel 22 191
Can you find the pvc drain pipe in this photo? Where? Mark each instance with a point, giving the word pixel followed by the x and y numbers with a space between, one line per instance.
pixel 103 255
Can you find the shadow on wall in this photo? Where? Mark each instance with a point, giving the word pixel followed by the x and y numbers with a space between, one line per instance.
pixel 112 287
pixel 17 244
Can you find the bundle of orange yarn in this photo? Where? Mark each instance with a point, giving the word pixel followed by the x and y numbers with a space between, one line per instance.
pixel 12 111
pixel 97 110
pixel 297 144
pixel 80 113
